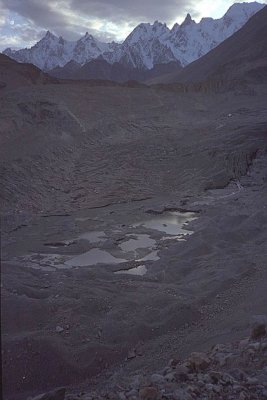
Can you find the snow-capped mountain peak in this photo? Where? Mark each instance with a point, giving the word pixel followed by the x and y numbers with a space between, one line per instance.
pixel 175 27
pixel 191 40
pixel 188 21
pixel 49 35
pixel 147 45
pixel 159 28
pixel 87 37
pixel 146 31
pixel 243 10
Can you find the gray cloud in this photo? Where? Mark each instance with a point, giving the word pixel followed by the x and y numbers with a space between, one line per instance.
pixel 71 18
pixel 41 13
pixel 138 10
pixel 107 20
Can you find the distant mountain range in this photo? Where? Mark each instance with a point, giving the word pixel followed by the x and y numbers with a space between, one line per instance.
pixel 239 60
pixel 146 48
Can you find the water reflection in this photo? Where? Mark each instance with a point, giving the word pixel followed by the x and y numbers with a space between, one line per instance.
pixel 171 223
pixel 140 270
pixel 93 257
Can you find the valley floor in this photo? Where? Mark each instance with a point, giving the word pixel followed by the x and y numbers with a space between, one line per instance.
pixel 102 160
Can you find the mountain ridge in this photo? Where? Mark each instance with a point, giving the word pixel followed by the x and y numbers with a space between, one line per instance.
pixel 147 45
pixel 243 55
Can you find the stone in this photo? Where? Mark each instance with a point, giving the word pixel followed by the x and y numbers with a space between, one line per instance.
pixel 149 393
pixel 181 373
pixel 217 389
pixel 136 382
pixel 209 387
pixel 255 346
pixel 157 378
pixel 243 344
pixel 243 396
pixel 222 359
pixel 237 388
pixel 258 327
pixel 58 394
pixel 181 394
pixel 215 376
pixel 206 378
pixel 173 362
pixel 59 329
pixel 228 379
pixel 193 389
pixel 218 348
pixel 198 361
pixel 252 381
pixel 131 354
pixel 237 374
pixel 167 370
pixel 170 377
pixel 132 393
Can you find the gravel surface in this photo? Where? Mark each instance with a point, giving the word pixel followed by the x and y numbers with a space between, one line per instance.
pixel 77 159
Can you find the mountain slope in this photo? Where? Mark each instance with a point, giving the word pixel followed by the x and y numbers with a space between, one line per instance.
pixel 243 54
pixel 101 69
pixel 146 46
pixel 14 74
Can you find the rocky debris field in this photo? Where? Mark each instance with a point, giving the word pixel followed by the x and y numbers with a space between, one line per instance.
pixel 231 371
pixel 95 161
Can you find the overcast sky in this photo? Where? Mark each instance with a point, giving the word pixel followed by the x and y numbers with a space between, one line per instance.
pixel 23 22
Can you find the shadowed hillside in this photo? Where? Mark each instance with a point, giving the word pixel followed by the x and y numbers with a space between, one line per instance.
pixel 101 69
pixel 14 74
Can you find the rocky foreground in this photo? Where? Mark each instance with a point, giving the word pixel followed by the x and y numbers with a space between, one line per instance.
pixel 228 371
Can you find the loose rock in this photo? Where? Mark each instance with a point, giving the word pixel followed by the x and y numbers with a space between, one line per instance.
pixel 149 393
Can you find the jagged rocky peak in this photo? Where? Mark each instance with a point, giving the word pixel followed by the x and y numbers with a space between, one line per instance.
pixel 160 29
pixel 49 40
pixel 175 27
pixel 206 19
pixel 8 51
pixel 140 29
pixel 147 31
pixel 159 26
pixel 139 32
pixel 188 21
pixel 49 35
pixel 87 37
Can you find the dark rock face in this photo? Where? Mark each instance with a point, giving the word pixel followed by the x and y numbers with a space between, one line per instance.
pixel 14 74
pixel 101 69
pixel 258 331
